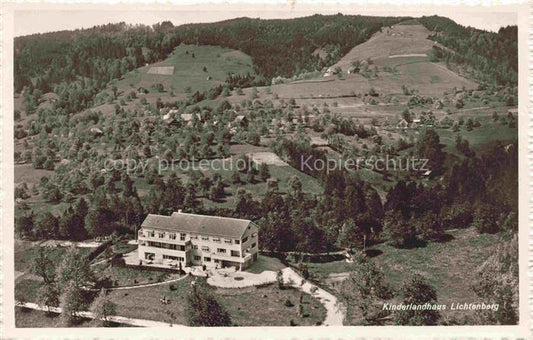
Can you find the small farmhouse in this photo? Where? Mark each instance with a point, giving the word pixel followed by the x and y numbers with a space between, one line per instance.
pixel 196 240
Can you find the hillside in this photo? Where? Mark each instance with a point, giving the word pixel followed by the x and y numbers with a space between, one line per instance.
pixel 403 48
pixel 195 67
pixel 189 68
pixel 395 66
pixel 390 42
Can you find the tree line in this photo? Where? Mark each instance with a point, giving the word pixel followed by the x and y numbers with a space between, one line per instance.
pixel 493 56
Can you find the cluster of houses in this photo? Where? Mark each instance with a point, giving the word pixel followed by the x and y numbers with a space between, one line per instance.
pixel 239 121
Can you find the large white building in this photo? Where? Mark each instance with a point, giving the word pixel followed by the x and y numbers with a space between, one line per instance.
pixel 196 240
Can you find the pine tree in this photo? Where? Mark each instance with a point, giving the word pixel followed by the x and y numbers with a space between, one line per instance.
pixel 202 308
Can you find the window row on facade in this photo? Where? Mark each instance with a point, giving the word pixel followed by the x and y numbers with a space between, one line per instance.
pixel 234 253
pixel 183 237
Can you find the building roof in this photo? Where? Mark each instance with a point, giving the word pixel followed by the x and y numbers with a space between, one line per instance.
pixel 318 141
pixel 198 224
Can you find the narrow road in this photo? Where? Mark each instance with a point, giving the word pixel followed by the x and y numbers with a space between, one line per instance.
pixel 474 109
pixel 335 310
pixel 113 318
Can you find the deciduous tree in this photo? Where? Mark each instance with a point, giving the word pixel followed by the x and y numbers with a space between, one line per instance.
pixel 102 307
pixel 417 291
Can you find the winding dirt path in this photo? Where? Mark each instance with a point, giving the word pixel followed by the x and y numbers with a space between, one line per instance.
pixel 336 312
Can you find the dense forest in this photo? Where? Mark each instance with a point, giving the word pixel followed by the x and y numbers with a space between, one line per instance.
pixel 493 56
pixel 277 47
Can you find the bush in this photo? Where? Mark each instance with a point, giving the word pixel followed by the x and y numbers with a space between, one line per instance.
pixel 288 303
pixel 305 311
pixel 118 261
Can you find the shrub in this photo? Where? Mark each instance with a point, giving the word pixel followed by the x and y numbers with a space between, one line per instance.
pixel 305 311
pixel 288 303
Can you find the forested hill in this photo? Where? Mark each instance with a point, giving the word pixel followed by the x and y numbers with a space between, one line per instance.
pixel 78 64
pixel 493 56
pixel 277 47
pixel 285 47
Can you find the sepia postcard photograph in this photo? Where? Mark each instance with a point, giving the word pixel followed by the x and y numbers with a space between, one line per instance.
pixel 315 171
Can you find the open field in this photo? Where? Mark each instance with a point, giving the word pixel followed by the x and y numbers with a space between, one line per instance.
pixel 488 131
pixel 322 271
pixel 26 173
pixel 26 290
pixel 188 62
pixel 391 41
pixel 161 70
pixel 268 158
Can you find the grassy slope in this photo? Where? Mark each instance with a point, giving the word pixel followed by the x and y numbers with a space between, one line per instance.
pixel 416 72
pixel 26 251
pixel 265 263
pixel 246 306
pixel 26 173
pixel 478 137
pixel 29 318
pixel 188 72
pixel 450 267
